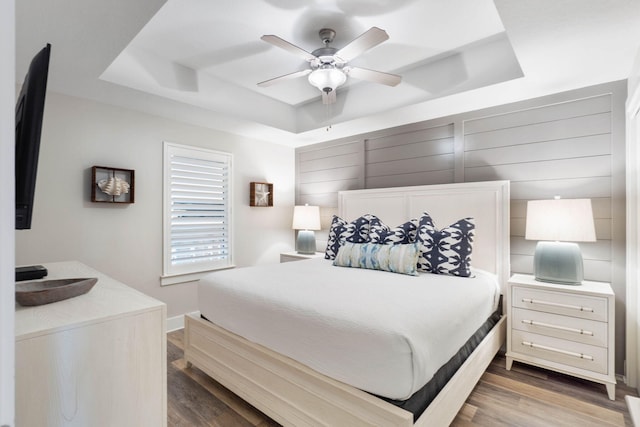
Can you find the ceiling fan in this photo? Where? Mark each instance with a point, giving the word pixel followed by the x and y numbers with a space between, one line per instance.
pixel 328 66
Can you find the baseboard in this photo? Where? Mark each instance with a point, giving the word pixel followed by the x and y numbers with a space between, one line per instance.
pixel 177 322
pixel 621 379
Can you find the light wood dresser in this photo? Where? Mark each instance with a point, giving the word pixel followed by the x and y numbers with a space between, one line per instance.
pixel 564 328
pixel 98 359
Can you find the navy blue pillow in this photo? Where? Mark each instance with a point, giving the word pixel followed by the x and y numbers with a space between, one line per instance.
pixel 381 233
pixel 356 231
pixel 445 251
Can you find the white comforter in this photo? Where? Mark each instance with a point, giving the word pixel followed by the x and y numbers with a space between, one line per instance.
pixel 381 332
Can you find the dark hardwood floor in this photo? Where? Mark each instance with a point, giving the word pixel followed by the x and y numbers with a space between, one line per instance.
pixel 525 396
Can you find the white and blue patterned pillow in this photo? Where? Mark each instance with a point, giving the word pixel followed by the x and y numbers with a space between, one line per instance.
pixel 383 234
pixel 393 258
pixel 341 231
pixel 445 251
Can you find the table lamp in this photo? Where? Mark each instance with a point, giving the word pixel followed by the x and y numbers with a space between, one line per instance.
pixel 306 219
pixel 556 224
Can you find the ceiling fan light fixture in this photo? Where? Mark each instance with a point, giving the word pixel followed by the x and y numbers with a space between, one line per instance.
pixel 327 79
pixel 329 67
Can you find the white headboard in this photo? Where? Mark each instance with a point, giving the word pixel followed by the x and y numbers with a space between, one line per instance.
pixel 487 202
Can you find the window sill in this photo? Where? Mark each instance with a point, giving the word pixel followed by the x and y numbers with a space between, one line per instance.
pixel 175 279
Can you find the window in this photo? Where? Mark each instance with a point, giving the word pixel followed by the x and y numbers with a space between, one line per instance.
pixel 197 210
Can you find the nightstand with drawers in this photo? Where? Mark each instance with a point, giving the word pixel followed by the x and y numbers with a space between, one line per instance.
pixel 568 329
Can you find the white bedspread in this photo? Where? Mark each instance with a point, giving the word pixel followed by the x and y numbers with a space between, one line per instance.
pixel 381 332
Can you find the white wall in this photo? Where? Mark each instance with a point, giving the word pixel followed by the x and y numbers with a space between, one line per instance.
pixel 124 241
pixel 7 209
pixel 633 227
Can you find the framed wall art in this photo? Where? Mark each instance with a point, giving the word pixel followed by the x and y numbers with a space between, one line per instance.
pixel 112 185
pixel 260 194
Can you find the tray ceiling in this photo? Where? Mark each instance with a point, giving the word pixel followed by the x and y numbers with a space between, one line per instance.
pixel 199 60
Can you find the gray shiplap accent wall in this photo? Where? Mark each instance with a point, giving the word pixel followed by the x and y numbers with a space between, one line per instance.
pixel 410 158
pixel 565 150
pixel 323 171
pixel 569 144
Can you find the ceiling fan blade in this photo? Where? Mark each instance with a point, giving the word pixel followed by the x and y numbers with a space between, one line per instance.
pixel 285 77
pixel 370 38
pixel 283 44
pixel 373 76
pixel 329 98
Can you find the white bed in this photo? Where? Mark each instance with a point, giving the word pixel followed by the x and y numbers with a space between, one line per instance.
pixel 261 367
pixel 381 332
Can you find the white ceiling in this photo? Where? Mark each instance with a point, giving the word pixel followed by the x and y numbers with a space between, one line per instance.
pixel 199 60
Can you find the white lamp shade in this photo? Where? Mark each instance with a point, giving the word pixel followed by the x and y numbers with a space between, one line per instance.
pixel 306 218
pixel 323 78
pixel 563 220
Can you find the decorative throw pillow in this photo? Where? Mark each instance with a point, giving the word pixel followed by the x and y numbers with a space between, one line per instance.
pixel 383 234
pixel 394 258
pixel 445 251
pixel 342 231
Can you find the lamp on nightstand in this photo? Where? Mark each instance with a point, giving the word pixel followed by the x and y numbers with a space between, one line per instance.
pixel 306 219
pixel 556 224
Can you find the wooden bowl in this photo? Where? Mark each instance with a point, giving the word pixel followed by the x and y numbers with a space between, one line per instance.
pixel 48 291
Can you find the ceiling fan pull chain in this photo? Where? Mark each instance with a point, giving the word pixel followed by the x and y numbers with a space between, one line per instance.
pixel 328 109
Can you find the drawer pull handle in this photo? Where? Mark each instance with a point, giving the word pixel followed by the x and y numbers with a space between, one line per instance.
pixel 555 304
pixel 562 328
pixel 557 350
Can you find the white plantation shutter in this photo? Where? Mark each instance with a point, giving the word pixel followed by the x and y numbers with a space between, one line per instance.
pixel 197 207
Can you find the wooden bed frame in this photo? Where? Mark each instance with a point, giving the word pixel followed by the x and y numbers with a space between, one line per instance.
pixel 295 395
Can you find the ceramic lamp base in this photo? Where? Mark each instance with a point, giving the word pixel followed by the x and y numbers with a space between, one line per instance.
pixel 306 242
pixel 558 262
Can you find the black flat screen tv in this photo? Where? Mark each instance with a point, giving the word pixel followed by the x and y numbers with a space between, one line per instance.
pixel 29 112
